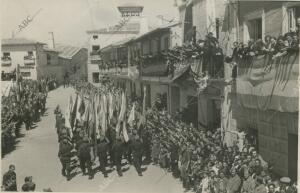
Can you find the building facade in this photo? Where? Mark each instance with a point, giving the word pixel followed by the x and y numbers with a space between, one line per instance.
pixel 261 102
pixel 74 61
pixel 34 60
pixel 131 24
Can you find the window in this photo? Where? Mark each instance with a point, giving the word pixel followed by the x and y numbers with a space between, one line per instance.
pixel 6 55
pixel 95 37
pixel 48 59
pixel 96 77
pixel 293 14
pixel 255 29
pixel 95 47
pixel 25 74
pixel 30 53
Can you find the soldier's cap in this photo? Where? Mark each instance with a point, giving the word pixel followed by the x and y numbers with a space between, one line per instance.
pixel 285 180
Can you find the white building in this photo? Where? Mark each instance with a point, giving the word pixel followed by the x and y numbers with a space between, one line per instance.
pixel 132 23
pixel 34 60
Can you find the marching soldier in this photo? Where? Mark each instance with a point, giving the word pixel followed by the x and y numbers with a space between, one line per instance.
pixel 118 152
pixel 65 155
pixel 137 152
pixel 84 156
pixel 102 149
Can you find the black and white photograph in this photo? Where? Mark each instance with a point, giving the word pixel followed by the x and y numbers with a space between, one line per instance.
pixel 150 96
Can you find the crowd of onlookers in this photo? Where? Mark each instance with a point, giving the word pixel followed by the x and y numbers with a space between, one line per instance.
pixel 25 103
pixel 204 164
pixel 283 44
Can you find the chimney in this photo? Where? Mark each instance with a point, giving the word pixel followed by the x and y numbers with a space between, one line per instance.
pixel 51 43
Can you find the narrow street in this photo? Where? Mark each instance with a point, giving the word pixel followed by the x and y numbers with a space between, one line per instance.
pixel 36 155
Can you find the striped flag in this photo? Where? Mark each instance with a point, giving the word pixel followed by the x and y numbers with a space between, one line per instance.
pixel 131 117
pixel 73 114
pixel 143 117
pixel 125 134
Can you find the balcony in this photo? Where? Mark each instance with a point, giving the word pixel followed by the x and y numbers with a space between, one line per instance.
pixel 95 59
pixel 29 61
pixel 95 52
pixel 5 61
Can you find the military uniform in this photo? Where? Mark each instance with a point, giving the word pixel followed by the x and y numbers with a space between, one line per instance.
pixel 85 157
pixel 136 145
pixel 111 134
pixel 64 155
pixel 118 152
pixel 102 149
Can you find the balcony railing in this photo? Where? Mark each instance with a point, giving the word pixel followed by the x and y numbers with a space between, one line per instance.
pixel 29 60
pixel 95 59
pixel 5 61
pixel 94 52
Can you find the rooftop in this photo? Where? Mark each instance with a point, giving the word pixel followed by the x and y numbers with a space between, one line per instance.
pixel 66 51
pixel 117 44
pixel 20 41
pixel 131 4
pixel 160 28
pixel 130 27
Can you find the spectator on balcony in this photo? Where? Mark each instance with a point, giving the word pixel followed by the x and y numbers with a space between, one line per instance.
pixel 218 64
pixel 234 55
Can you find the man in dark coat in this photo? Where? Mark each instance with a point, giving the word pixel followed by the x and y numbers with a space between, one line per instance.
pixel 102 149
pixel 9 182
pixel 65 155
pixel 118 152
pixel 111 134
pixel 84 156
pixel 136 145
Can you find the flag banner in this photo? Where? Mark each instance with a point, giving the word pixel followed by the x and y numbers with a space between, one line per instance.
pixel 123 107
pixel 74 111
pixel 269 83
pixel 103 114
pixel 67 114
pixel 131 117
pixel 81 108
pixel 79 102
pixel 111 106
pixel 125 134
pixel 142 118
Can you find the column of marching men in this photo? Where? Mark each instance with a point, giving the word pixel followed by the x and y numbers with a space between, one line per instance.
pixel 95 125
pixel 198 157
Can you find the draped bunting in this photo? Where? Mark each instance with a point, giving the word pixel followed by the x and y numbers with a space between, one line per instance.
pixel 267 83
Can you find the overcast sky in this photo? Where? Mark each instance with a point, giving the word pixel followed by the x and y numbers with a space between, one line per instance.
pixel 70 19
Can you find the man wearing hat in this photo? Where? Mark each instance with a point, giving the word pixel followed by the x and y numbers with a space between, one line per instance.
pixel 64 155
pixel 286 185
pixel 84 156
pixel 102 149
